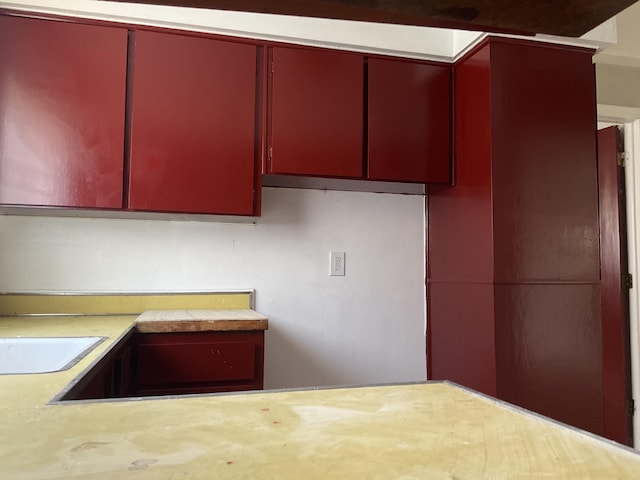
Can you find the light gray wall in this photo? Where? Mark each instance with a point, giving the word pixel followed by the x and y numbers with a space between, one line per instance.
pixel 366 327
pixel 618 85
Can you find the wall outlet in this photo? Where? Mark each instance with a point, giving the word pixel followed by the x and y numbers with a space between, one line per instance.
pixel 336 268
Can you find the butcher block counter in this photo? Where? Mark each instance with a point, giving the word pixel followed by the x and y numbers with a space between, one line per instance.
pixel 171 321
pixel 415 431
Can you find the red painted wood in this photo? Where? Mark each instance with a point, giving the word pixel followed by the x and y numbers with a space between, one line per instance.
pixel 192 361
pixel 316 112
pixel 460 218
pixel 61 113
pixel 521 221
pixel 261 125
pixel 199 362
pixel 462 343
pixel 549 351
pixel 109 378
pixel 409 121
pixel 545 190
pixel 615 298
pixel 545 197
pixel 193 125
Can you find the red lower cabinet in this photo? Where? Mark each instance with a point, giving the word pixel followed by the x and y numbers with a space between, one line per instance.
pixel 462 334
pixel 549 351
pixel 148 364
pixel 206 362
pixel 109 378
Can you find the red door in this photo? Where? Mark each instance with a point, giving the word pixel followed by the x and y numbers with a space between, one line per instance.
pixel 616 363
pixel 62 102
pixel 193 125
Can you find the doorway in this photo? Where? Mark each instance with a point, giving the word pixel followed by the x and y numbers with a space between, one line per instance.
pixel 615 285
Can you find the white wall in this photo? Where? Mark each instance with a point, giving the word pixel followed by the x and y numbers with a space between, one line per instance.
pixel 366 327
pixel 409 41
pixel 402 40
pixel 625 51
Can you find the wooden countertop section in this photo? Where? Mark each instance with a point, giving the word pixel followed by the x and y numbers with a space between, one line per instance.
pixel 420 431
pixel 167 321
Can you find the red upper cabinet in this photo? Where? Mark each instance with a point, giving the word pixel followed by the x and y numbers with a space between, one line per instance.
pixel 409 121
pixel 62 102
pixel 193 125
pixel 316 107
pixel 544 175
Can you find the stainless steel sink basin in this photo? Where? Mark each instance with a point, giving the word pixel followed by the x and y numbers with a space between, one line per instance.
pixel 43 354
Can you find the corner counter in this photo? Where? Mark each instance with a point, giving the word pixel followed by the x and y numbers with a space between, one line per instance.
pixel 430 430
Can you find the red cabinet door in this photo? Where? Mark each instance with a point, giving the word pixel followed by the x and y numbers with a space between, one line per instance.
pixel 316 123
pixel 193 125
pixel 62 101
pixel 544 171
pixel 409 129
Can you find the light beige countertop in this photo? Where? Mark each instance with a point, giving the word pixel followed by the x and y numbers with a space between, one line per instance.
pixel 423 431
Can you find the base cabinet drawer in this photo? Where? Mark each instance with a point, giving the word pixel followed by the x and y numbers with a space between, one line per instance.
pixel 167 363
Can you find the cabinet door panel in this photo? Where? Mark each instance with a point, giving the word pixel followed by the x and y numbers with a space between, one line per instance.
pixel 545 179
pixel 409 121
pixel 192 362
pixel 461 335
pixel 316 113
pixel 62 101
pixel 549 351
pixel 192 125
pixel 198 362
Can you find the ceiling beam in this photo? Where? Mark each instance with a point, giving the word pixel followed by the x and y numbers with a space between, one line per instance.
pixel 570 18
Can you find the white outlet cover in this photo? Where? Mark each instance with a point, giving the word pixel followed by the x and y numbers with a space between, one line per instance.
pixel 336 266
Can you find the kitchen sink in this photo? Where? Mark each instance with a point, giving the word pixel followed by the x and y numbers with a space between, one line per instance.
pixel 43 354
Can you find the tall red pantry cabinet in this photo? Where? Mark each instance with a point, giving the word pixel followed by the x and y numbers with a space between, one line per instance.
pixel 513 264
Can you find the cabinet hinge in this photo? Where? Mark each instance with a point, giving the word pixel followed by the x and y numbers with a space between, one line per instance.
pixel 270 153
pixel 628 281
pixel 631 407
pixel 621 159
